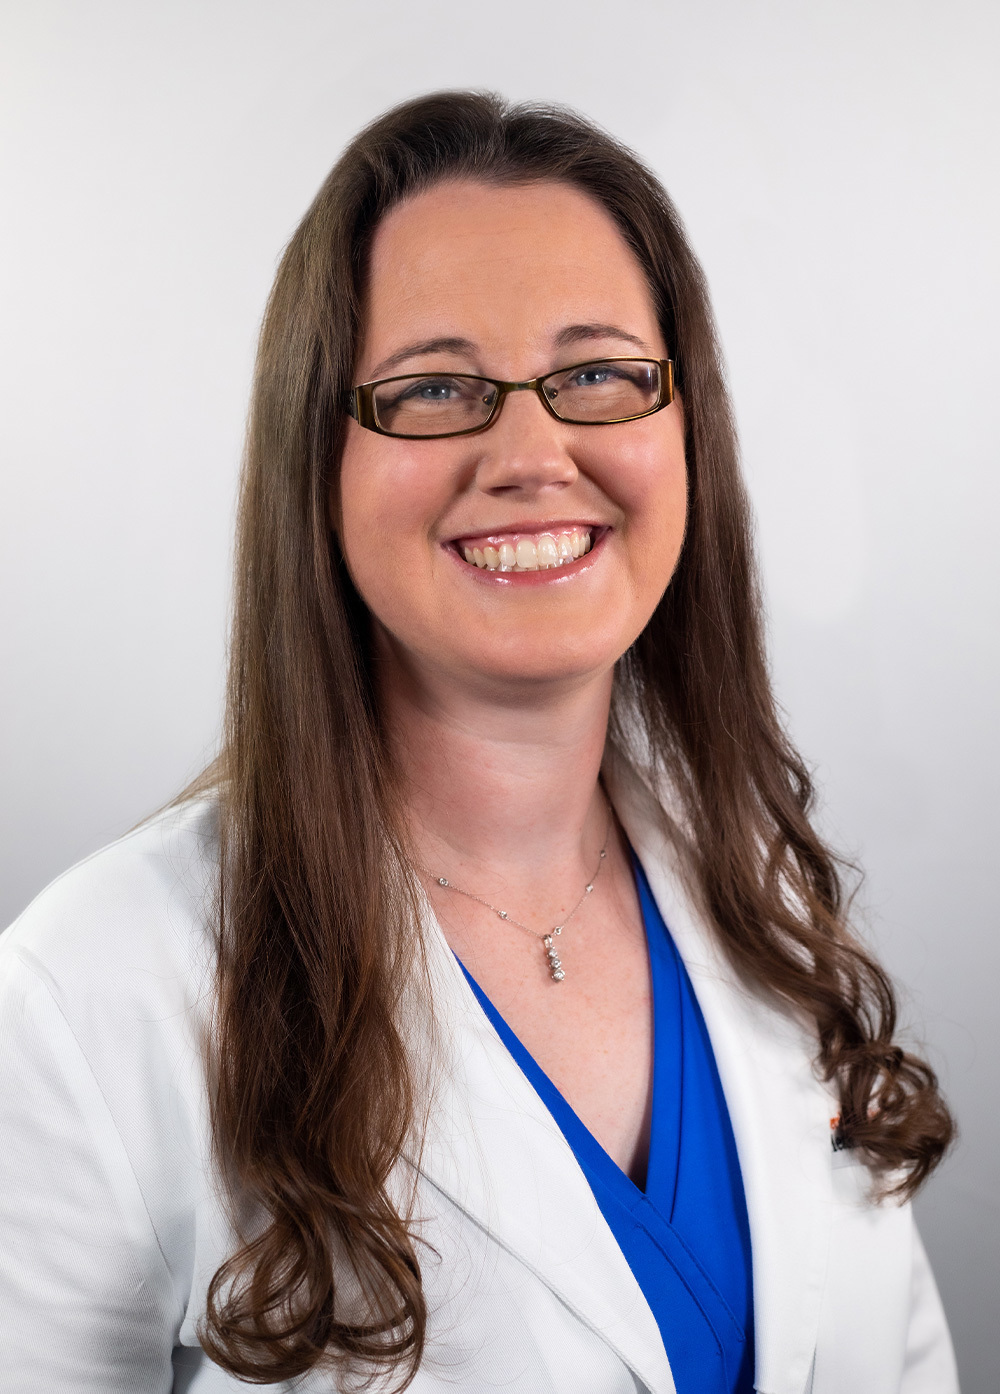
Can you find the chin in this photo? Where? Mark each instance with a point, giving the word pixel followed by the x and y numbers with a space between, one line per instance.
pixel 538 665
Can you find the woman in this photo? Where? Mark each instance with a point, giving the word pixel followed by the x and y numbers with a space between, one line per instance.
pixel 488 1016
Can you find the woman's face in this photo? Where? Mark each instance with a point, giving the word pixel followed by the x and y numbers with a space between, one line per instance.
pixel 509 283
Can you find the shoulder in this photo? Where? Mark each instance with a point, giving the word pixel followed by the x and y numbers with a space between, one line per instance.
pixel 107 980
pixel 136 916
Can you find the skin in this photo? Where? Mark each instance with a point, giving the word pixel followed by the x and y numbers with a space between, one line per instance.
pixel 496 689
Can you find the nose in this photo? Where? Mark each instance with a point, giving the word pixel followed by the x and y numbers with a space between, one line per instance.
pixel 526 450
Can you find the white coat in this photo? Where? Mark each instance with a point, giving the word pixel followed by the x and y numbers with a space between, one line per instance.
pixel 111 1224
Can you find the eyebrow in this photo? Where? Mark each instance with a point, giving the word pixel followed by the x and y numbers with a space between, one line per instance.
pixel 572 334
pixel 581 333
pixel 445 344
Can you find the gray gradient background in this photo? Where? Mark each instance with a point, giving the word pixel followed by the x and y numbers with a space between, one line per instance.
pixel 836 164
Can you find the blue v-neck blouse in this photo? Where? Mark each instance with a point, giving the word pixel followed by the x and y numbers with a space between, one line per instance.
pixel 686 1237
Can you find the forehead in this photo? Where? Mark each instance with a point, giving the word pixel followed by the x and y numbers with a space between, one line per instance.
pixel 503 266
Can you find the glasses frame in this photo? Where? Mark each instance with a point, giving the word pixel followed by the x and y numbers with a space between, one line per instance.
pixel 361 399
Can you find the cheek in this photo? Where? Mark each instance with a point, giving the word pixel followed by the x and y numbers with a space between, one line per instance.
pixel 364 498
pixel 654 503
pixel 360 508
pixel 385 508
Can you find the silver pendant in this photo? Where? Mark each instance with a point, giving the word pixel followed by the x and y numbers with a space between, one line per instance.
pixel 555 963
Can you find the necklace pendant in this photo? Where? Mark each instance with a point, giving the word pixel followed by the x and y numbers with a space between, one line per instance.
pixel 553 961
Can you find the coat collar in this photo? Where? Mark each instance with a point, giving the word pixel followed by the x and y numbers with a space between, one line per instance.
pixel 493 1148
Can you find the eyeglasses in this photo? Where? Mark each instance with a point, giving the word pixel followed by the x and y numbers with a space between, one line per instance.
pixel 429 406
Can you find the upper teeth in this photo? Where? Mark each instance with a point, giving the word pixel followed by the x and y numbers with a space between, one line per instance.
pixel 531 553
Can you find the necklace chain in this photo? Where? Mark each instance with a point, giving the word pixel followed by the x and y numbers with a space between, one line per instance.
pixel 554 963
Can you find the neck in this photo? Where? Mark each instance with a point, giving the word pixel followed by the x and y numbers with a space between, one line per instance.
pixel 501 789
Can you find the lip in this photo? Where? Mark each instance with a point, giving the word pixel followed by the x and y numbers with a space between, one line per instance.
pixel 555 575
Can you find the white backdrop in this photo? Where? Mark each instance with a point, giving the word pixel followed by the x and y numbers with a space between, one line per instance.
pixel 836 163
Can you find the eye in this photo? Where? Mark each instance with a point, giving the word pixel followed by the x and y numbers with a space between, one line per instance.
pixel 433 403
pixel 596 375
pixel 432 390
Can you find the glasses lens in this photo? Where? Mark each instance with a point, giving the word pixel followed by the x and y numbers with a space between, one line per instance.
pixel 606 390
pixel 433 404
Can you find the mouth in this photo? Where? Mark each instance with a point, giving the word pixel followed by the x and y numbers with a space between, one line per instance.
pixel 548 549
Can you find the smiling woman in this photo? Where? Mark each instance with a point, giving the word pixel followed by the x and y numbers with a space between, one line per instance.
pixel 488 1015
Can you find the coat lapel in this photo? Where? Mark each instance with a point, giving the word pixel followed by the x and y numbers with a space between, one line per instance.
pixel 492 1147
pixel 779 1110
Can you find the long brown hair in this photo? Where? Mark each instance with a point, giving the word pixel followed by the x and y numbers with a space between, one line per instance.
pixel 312 1100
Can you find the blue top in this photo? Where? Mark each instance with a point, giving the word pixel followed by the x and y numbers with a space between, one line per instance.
pixel 686 1237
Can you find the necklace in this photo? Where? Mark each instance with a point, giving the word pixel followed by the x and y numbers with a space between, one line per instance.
pixel 554 963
